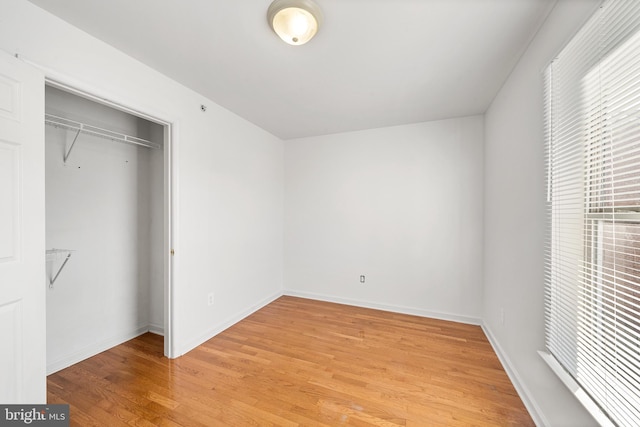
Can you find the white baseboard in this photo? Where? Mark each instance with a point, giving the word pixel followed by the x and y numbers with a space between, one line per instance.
pixel 193 343
pixel 156 329
pixel 93 349
pixel 387 307
pixel 527 398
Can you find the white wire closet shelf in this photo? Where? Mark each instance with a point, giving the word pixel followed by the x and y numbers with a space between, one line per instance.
pixel 78 127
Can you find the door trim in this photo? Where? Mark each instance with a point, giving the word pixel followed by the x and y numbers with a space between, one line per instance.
pixel 171 125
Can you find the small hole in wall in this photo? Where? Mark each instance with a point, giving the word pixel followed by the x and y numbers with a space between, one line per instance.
pixel 203 108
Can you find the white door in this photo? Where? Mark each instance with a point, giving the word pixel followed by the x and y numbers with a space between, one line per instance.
pixel 22 238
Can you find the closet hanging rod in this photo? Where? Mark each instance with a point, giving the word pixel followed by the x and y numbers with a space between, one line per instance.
pixel 78 127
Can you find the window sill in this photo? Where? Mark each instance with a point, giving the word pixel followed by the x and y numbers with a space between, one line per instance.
pixel 576 390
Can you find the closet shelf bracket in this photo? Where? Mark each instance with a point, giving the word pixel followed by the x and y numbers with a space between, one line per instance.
pixel 75 138
pixel 52 255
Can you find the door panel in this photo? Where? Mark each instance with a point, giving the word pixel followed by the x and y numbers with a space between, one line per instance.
pixel 22 251
pixel 9 209
pixel 9 98
pixel 11 354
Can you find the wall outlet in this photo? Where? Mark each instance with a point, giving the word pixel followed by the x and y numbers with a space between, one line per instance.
pixel 362 278
pixel 210 298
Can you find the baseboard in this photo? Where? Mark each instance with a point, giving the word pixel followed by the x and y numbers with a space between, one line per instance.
pixel 93 349
pixel 526 397
pixel 190 345
pixel 156 329
pixel 387 307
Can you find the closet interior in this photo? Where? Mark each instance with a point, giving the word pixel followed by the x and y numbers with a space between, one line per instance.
pixel 104 227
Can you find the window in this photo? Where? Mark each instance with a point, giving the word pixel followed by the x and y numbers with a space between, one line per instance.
pixel 592 115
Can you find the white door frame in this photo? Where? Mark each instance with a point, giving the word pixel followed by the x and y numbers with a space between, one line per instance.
pixel 170 183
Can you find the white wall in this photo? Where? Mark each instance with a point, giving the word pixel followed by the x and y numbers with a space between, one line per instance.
pixel 98 204
pixel 401 205
pixel 229 193
pixel 514 221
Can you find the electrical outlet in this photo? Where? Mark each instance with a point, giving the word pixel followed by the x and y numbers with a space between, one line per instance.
pixel 210 299
pixel 362 278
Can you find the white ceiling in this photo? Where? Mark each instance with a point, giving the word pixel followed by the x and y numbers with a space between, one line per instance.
pixel 374 63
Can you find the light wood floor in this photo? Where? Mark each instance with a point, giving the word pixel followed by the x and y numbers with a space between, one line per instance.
pixel 300 362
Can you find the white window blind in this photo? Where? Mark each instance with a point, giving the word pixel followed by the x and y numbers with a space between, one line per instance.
pixel 592 274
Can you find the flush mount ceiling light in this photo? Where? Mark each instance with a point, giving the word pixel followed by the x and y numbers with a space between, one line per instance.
pixel 294 21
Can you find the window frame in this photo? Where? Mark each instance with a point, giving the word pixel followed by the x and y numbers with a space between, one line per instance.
pixel 589 315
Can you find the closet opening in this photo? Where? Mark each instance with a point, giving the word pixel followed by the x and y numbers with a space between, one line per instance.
pixel 108 226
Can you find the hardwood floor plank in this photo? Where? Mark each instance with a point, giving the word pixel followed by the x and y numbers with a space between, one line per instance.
pixel 299 362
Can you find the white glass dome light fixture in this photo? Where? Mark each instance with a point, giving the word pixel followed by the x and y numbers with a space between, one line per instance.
pixel 294 21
